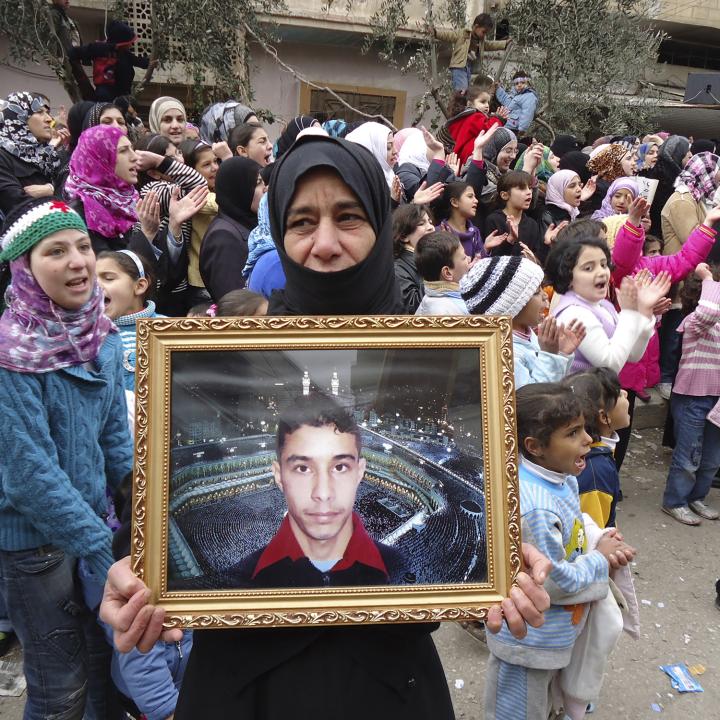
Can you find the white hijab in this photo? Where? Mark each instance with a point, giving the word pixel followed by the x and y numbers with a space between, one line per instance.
pixel 374 137
pixel 414 151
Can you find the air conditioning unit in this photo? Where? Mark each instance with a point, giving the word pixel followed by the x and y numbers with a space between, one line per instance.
pixel 703 89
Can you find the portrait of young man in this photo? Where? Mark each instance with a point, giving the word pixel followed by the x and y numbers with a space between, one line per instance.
pixel 321 541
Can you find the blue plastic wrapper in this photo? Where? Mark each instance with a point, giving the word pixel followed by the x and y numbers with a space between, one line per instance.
pixel 681 679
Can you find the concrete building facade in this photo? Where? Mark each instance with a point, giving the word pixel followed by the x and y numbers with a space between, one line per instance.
pixel 325 46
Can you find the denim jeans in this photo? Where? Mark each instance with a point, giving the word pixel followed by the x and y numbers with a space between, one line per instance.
pixel 696 457
pixel 66 658
pixel 5 624
pixel 461 77
pixel 670 345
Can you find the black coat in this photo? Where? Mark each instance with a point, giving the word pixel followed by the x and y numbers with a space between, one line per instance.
pixel 411 284
pixel 528 233
pixel 223 254
pixel 389 672
pixel 411 177
pixel 16 174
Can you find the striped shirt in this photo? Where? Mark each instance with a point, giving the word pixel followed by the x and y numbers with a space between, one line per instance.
pixel 553 523
pixel 699 371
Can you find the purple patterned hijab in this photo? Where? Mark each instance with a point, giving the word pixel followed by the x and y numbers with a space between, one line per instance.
pixel 38 336
pixel 108 201
pixel 623 183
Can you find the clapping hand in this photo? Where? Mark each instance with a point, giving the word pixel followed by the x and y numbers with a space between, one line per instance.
pixel 589 189
pixel 482 140
pixel 453 162
pixel 513 227
pixel 148 212
pixel 396 190
pixel 182 209
pixel 552 232
pixel 638 208
pixel 526 252
pixel 533 158
pixel 436 151
pixel 495 239
pixel 548 335
pixel 571 336
pixel 627 295
pixel 424 195
pixel 649 293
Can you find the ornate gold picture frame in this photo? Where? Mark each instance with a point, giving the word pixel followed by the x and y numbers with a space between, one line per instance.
pixel 240 501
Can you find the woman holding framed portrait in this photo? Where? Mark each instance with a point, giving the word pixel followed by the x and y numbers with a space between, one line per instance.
pixel 330 217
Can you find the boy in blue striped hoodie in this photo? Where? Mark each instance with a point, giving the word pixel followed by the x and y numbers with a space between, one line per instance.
pixel 553 444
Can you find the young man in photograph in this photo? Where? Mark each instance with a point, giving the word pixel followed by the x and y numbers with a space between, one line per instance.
pixel 321 540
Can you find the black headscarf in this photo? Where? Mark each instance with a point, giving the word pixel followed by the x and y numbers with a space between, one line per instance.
pixel 702 145
pixel 290 133
pixel 368 288
pixel 577 162
pixel 564 144
pixel 235 188
pixel 671 155
pixel 83 115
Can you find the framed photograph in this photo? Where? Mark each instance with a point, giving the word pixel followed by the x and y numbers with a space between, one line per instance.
pixel 302 471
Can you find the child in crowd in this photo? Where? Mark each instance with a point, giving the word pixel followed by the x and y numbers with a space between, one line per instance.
pixel 410 223
pixel 618 198
pixel 513 286
pixel 580 270
pixel 127 284
pixel 653 246
pixel 467 44
pixel 441 261
pixel 469 116
pixel 521 103
pixel 113 62
pixel 605 409
pixel 241 303
pixel 696 456
pixel 514 199
pixel 200 310
pixel 553 445
pixel 455 211
pixel 627 258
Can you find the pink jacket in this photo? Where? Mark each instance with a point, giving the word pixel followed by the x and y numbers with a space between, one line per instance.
pixel 628 259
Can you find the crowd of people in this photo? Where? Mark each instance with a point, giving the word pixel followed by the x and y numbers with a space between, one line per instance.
pixel 605 257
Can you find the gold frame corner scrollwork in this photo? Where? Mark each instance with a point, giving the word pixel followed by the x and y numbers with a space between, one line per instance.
pixel 156 340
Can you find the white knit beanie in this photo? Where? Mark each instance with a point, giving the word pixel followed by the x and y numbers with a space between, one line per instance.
pixel 501 285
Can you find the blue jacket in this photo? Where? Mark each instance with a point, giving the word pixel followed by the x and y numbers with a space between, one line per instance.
pixel 152 680
pixel 522 108
pixel 65 440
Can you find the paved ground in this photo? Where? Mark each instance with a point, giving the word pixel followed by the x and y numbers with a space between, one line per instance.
pixel 674 576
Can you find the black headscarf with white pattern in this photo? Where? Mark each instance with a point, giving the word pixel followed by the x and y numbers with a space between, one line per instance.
pixel 15 135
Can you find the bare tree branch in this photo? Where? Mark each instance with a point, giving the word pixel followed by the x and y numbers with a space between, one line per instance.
pixel 270 50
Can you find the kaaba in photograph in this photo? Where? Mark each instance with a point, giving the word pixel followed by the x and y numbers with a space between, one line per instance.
pixel 410 421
